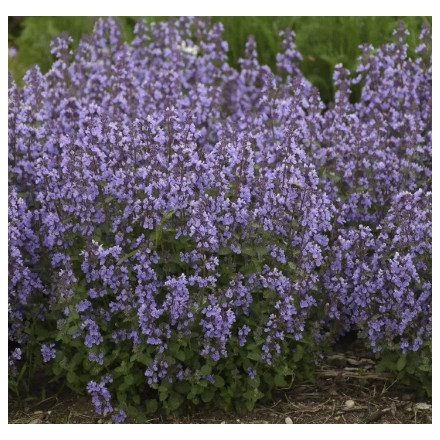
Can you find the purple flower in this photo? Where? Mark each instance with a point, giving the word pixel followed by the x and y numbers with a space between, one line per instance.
pixel 251 373
pixel 48 352
pixel 120 416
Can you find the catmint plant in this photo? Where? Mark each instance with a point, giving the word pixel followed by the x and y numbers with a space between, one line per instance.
pixel 184 232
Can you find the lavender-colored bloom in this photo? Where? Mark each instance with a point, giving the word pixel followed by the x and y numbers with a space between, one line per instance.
pixel 12 52
pixel 97 357
pixel 251 373
pixel 242 335
pixel 83 306
pixel 100 395
pixel 48 352
pixel 120 416
pixel 210 378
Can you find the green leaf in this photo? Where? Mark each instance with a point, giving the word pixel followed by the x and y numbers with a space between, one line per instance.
pixel 250 405
pixel 299 353
pixel 254 355
pixel 163 395
pixel 181 356
pixel 22 372
pixel 76 360
pixel 253 395
pixel 158 233
pixel 261 251
pixel 279 381
pixel 151 406
pixel 132 411
pixel 143 358
pixel 129 380
pixel 248 250
pixel 174 402
pixel 401 363
pixel 129 255
pixel 208 395
pixel 168 215
pixel 72 330
pixel 121 397
pixel 224 251
pixel 72 377
pixel 219 381
pixel 205 370
pixel 426 368
pixel 164 387
pixel 183 387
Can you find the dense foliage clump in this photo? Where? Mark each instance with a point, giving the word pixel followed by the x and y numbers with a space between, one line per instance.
pixel 181 231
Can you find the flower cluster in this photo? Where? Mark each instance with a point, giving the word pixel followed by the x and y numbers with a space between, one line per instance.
pixel 170 210
pixel 379 280
pixel 100 395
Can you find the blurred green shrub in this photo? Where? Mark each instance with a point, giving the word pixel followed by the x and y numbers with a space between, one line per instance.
pixel 323 41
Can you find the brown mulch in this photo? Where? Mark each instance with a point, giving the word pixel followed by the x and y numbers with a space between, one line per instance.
pixel 347 390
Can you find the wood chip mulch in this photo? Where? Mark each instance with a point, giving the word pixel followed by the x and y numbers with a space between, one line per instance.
pixel 347 390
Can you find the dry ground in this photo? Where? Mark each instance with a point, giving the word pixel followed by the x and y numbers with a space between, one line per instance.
pixel 346 391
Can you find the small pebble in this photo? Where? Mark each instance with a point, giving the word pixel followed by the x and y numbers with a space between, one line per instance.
pixel 422 406
pixel 349 404
pixel 393 408
pixel 288 420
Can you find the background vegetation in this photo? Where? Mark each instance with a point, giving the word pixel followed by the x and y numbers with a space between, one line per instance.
pixel 323 41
